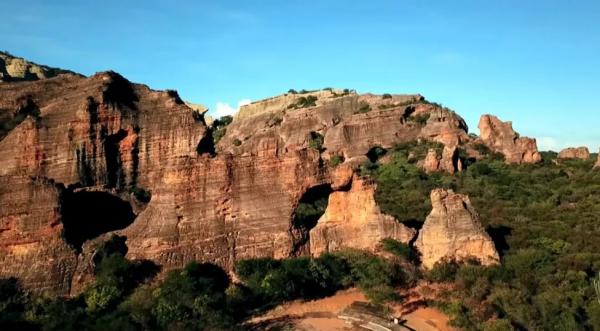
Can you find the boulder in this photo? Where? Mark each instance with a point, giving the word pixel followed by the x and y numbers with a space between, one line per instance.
pixel 452 231
pixel 500 137
pixel 582 153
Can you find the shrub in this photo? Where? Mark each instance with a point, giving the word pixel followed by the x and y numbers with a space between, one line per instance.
pixel 292 91
pixel 399 249
pixel 316 141
pixel 237 142
pixel 364 108
pixel 140 194
pixel 336 160
pixel 386 96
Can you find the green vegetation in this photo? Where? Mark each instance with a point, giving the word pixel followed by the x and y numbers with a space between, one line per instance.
pixel 420 119
pixel 237 142
pixel 219 128
pixel 197 297
pixel 276 281
pixel 386 96
pixel 304 102
pixel 316 141
pixel 364 108
pixel 141 194
pixel 545 220
pixel 336 160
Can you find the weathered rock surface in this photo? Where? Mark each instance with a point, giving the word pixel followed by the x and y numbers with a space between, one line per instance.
pixel 18 69
pixel 353 220
pixel 64 136
pixel 448 162
pixel 582 153
pixel 452 231
pixel 597 165
pixel 500 137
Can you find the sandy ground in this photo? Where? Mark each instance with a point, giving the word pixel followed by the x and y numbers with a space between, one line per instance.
pixel 322 315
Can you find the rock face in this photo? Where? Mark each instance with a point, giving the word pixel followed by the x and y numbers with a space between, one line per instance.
pixel 452 231
pixel 582 153
pixel 353 220
pixel 597 165
pixel 449 161
pixel 500 137
pixel 147 162
pixel 18 69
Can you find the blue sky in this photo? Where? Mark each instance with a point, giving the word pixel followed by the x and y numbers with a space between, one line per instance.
pixel 536 63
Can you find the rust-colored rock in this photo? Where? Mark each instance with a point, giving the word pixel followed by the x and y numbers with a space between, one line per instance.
pixel 597 165
pixel 582 153
pixel 353 220
pixel 449 161
pixel 500 137
pixel 70 134
pixel 452 231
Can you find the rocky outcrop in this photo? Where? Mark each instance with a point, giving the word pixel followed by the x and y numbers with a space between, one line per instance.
pixel 69 138
pixel 501 138
pixel 597 165
pixel 582 153
pixel 449 162
pixel 452 231
pixel 353 220
pixel 18 69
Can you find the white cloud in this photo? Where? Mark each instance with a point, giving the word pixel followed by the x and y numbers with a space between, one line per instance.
pixel 547 144
pixel 223 108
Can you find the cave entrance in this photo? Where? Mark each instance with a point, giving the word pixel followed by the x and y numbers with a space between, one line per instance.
pixel 87 215
pixel 310 208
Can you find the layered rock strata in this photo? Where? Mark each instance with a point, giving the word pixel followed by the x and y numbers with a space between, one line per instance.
pixel 452 231
pixel 65 136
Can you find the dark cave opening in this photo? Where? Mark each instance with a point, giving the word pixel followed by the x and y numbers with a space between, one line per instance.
pixel 310 208
pixel 499 235
pixel 86 215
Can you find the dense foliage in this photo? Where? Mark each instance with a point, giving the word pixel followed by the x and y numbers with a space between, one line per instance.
pixel 124 295
pixel 544 218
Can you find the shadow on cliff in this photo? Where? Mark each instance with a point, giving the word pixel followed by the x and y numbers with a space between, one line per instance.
pixel 86 215
pixel 310 208
pixel 500 234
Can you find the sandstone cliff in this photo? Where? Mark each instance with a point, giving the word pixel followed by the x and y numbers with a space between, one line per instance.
pixel 18 69
pixel 452 231
pixel 145 163
pixel 582 153
pixel 500 137
pixel 353 220
pixel 448 162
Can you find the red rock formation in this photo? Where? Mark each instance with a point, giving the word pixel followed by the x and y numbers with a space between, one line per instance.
pixel 582 153
pixel 104 134
pixel 500 137
pixel 597 165
pixel 452 231
pixel 353 220
pixel 449 161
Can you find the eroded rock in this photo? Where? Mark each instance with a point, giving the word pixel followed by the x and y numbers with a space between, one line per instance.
pixel 353 220
pixel 448 162
pixel 500 137
pixel 582 153
pixel 452 231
